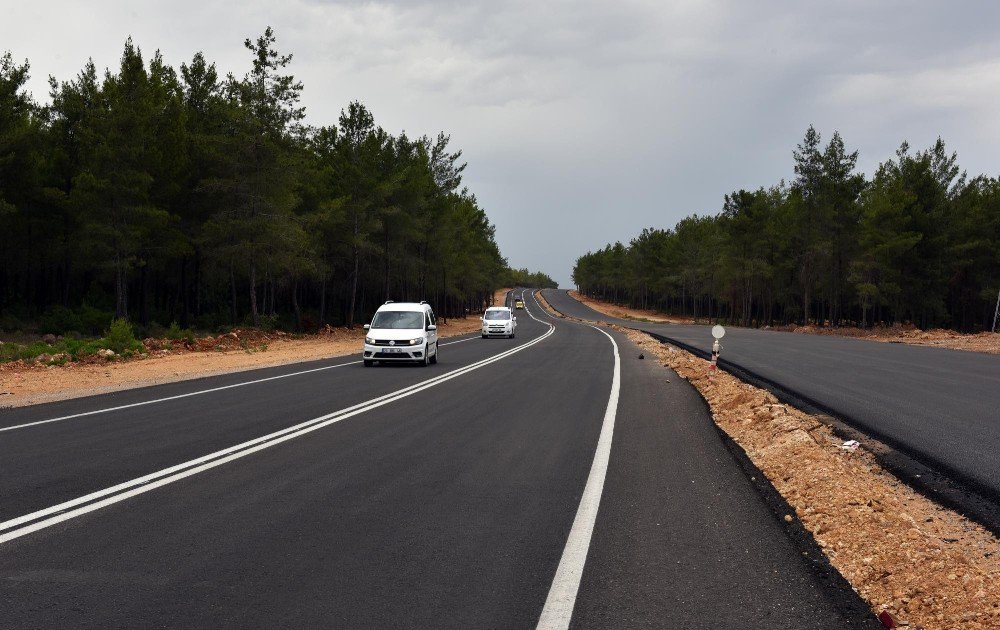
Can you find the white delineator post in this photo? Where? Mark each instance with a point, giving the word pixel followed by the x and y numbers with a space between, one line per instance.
pixel 718 332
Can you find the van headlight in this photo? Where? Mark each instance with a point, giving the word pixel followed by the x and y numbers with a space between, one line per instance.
pixel 417 341
pixel 370 341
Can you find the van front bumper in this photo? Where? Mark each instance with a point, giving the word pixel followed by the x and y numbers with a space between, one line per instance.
pixel 393 353
pixel 506 332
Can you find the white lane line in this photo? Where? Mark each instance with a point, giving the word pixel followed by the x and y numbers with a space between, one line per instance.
pixel 195 393
pixel 534 296
pixel 559 604
pixel 120 492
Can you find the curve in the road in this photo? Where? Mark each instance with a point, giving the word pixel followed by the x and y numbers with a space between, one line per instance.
pixel 451 507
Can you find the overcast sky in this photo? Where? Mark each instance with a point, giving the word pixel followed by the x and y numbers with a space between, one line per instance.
pixel 584 122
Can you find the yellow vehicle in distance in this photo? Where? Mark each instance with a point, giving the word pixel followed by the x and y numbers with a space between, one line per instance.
pixel 519 304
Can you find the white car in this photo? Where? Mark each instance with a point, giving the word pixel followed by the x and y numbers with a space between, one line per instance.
pixel 401 331
pixel 499 321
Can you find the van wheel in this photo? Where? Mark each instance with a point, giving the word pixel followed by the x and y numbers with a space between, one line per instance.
pixel 434 359
pixel 424 362
pixel 369 363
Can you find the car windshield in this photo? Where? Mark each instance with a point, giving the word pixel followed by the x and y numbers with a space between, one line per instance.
pixel 398 319
pixel 497 314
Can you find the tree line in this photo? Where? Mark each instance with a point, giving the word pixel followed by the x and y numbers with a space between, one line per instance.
pixel 917 243
pixel 178 195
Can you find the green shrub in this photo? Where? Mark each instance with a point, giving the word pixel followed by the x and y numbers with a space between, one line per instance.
pixel 15 351
pixel 267 322
pixel 10 323
pixel 93 320
pixel 86 318
pixel 121 338
pixel 176 333
pixel 60 319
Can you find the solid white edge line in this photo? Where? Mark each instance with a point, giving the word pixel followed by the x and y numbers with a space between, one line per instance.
pixel 534 296
pixel 195 393
pixel 561 600
pixel 163 477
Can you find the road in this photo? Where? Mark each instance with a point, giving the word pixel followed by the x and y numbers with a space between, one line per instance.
pixel 940 405
pixel 551 480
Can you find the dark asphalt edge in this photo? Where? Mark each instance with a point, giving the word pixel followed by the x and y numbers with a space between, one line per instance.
pixel 934 480
pixel 835 586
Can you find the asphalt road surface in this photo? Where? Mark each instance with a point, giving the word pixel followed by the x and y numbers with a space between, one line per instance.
pixel 545 481
pixel 940 405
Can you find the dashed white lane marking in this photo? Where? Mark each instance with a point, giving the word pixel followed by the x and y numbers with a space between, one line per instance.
pixel 189 394
pixel 561 600
pixel 67 510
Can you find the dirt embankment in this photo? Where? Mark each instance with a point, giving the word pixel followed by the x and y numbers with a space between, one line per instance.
pixel 23 383
pixel 545 304
pixel 939 338
pixel 625 312
pixel 905 555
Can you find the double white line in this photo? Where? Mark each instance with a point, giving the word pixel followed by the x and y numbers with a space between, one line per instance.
pixel 41 519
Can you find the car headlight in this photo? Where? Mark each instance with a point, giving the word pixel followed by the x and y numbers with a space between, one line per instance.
pixel 370 341
pixel 417 341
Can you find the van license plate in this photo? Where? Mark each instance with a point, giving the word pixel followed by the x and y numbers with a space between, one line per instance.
pixel 394 350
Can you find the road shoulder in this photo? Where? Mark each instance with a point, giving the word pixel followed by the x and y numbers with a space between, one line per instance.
pixel 684 538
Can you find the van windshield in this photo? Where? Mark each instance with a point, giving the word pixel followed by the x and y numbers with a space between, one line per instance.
pixel 398 319
pixel 497 314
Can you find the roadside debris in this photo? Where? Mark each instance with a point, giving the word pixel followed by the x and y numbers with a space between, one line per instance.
pixel 850 445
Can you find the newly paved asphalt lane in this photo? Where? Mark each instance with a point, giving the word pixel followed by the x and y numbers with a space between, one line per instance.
pixel 448 506
pixel 940 405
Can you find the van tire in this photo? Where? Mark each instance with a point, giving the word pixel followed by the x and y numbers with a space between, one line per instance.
pixel 434 359
pixel 369 363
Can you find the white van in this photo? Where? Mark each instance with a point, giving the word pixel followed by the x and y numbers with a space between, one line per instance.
pixel 402 331
pixel 499 321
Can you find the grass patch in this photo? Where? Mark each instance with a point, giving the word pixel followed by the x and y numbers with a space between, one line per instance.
pixel 176 333
pixel 119 337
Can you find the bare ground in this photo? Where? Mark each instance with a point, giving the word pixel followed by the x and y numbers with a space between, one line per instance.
pixel 166 361
pixel 938 337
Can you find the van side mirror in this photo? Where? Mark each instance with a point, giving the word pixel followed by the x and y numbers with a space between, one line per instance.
pixel 432 327
pixel 368 326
